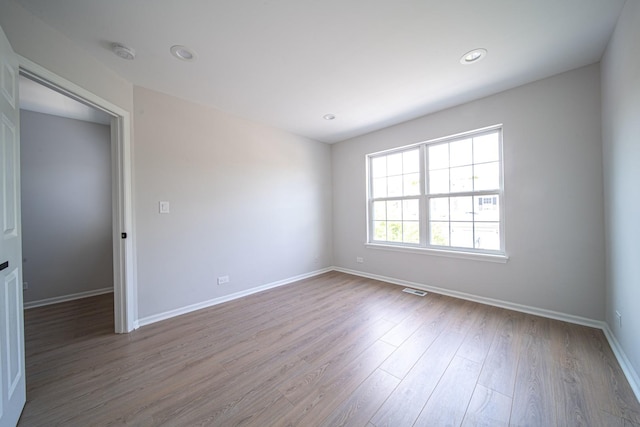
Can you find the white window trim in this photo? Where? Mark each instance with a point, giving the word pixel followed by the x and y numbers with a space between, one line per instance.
pixel 426 249
pixel 478 256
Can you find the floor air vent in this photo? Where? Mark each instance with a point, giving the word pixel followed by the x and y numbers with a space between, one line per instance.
pixel 414 292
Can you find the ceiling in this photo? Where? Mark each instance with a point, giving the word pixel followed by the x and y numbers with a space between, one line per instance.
pixel 371 63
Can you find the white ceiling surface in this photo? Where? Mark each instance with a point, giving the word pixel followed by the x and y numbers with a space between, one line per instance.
pixel 41 99
pixel 372 63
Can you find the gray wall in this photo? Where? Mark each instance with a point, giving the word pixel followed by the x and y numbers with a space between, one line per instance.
pixel 621 148
pixel 247 201
pixel 553 198
pixel 66 206
pixel 559 115
pixel 275 183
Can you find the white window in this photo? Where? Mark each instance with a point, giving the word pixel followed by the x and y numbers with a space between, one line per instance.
pixel 441 194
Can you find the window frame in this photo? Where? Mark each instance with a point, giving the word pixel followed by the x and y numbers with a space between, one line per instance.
pixel 424 198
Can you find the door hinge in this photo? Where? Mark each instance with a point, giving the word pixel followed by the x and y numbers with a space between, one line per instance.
pixel 124 235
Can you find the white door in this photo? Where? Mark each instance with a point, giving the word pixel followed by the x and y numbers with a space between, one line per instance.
pixel 12 375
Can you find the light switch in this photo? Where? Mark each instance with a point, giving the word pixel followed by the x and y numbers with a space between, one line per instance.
pixel 164 207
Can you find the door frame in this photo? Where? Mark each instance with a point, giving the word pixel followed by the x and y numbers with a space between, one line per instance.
pixel 124 266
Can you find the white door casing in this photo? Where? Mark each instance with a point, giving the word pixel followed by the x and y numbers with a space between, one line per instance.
pixel 125 290
pixel 12 362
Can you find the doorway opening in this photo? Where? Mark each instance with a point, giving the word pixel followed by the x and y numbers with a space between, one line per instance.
pixel 65 186
pixel 114 269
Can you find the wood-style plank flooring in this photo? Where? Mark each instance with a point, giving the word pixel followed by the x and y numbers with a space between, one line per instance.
pixel 328 351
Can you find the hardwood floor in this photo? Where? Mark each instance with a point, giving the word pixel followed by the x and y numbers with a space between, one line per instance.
pixel 328 351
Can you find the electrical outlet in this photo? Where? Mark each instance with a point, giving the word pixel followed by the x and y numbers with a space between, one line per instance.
pixel 359 259
pixel 25 286
pixel 619 317
pixel 223 279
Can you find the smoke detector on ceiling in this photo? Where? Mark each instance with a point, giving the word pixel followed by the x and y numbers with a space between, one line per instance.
pixel 123 51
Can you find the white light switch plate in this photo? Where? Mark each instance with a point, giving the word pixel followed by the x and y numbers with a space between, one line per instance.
pixel 164 207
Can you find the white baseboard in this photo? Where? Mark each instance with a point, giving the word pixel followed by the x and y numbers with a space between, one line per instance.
pixel 488 301
pixel 188 309
pixel 625 364
pixel 64 298
pixel 629 372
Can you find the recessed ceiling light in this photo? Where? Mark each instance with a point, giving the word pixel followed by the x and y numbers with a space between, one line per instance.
pixel 183 53
pixel 123 51
pixel 329 116
pixel 473 56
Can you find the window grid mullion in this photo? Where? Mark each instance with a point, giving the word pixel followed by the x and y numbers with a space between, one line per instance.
pixel 473 205
pixel 371 213
pixel 425 234
pixel 466 194
pixel 394 198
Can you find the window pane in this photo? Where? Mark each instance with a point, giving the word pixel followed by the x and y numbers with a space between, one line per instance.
pixel 487 208
pixel 438 156
pixel 379 230
pixel 379 167
pixel 394 164
pixel 411 232
pixel 462 208
pixel 439 181
pixel 462 234
pixel 488 235
pixel 461 179
pixel 411 210
pixel 486 148
pixel 379 187
pixel 460 153
pixel 412 184
pixel 395 186
pixel 380 211
pixel 487 176
pixel 394 231
pixel 439 209
pixel 439 233
pixel 394 210
pixel 411 161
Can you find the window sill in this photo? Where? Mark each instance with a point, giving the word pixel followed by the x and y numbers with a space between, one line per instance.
pixel 440 252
